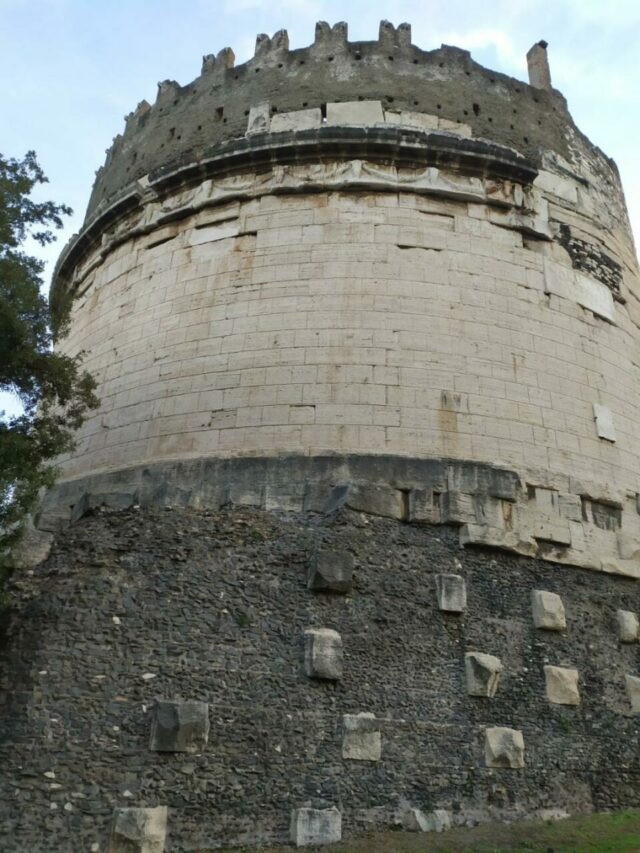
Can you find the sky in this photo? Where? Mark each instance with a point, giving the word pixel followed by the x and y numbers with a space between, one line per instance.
pixel 72 69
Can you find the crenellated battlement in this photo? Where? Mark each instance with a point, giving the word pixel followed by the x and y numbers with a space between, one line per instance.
pixel 186 122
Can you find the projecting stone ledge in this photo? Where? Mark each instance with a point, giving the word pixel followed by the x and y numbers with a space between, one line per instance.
pixel 180 726
pixel 628 626
pixel 548 611
pixel 504 747
pixel 138 830
pixel 331 571
pixel 323 654
pixel 483 674
pixel 562 685
pixel 452 593
pixel 315 826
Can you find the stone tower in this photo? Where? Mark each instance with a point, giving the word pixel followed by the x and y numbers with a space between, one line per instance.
pixel 368 283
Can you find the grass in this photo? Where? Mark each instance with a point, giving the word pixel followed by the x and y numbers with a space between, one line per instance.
pixel 616 832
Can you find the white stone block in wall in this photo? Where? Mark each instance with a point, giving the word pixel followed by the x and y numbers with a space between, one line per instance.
pixel 548 610
pixel 407 118
pixel 451 591
pixel 561 685
pixel 323 653
pixel 628 626
pixel 361 740
pixel 562 281
pixel 604 422
pixel 557 185
pixel 454 127
pixel 504 747
pixel 296 120
pixel 415 820
pixel 633 692
pixel 355 113
pixel 259 118
pixel 483 673
pixel 315 826
pixel 138 830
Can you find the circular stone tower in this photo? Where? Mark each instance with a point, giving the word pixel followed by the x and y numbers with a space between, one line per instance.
pixel 324 293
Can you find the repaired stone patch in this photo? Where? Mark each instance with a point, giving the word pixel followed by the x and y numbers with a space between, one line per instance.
pixel 315 826
pixel 548 610
pixel 323 654
pixel 483 673
pixel 137 830
pixel 504 747
pixel 180 726
pixel 452 593
pixel 362 740
pixel 628 626
pixel 331 571
pixel 562 685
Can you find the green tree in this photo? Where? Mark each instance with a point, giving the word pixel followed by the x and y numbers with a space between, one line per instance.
pixel 54 392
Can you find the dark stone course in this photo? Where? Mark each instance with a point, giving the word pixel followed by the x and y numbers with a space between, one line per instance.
pixel 214 603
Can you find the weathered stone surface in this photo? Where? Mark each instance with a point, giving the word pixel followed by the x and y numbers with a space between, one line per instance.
pixel 355 112
pixel 451 591
pixel 561 685
pixel 315 826
pixel 139 830
pixel 415 820
pixel 604 422
pixel 33 547
pixel 179 726
pixel 259 119
pixel 548 610
pixel 632 683
pixel 628 625
pixel 483 673
pixel 323 654
pixel 362 740
pixel 331 571
pixel 296 120
pixel 504 747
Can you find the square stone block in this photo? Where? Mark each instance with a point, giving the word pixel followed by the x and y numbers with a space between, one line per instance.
pixel 548 610
pixel 483 673
pixel 562 685
pixel 628 625
pixel 323 654
pixel 331 571
pixel 633 692
pixel 137 830
pixel 452 593
pixel 504 747
pixel 315 826
pixel 415 820
pixel 180 726
pixel 362 740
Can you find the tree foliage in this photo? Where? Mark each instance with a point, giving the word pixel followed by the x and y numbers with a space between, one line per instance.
pixel 54 391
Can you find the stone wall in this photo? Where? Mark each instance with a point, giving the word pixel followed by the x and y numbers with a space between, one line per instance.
pixel 144 605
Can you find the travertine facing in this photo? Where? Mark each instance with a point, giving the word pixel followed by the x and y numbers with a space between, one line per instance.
pixel 451 591
pixel 323 654
pixel 483 673
pixel 548 610
pixel 561 685
pixel 362 740
pixel 315 826
pixel 504 747
pixel 139 830
pixel 628 626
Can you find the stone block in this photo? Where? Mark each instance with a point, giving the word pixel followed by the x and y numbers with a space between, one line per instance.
pixel 451 591
pixel 548 610
pixel 315 826
pixel 179 726
pixel 483 673
pixel 562 685
pixel 628 625
pixel 296 120
pixel 415 820
pixel 424 506
pixel 259 119
pixel 604 422
pixel 355 112
pixel 323 654
pixel 331 571
pixel 633 692
pixel 504 747
pixel 378 500
pixel 361 740
pixel 88 503
pixel 137 830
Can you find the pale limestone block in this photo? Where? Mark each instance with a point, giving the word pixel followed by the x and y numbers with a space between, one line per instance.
pixel 604 422
pixel 548 610
pixel 628 626
pixel 557 185
pixel 355 113
pixel 483 673
pixel 504 747
pixel 362 740
pixel 259 118
pixel 323 654
pixel 180 726
pixel 454 127
pixel 138 830
pixel 315 826
pixel 595 296
pixel 561 685
pixel 451 591
pixel 633 692
pixel 296 120
pixel 415 820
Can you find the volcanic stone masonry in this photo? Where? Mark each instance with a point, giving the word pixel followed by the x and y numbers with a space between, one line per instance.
pixel 353 540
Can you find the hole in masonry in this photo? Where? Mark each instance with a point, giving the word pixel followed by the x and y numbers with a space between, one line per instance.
pixel 219 111
pixel 280 65
pixel 439 106
pixel 256 70
pixel 415 61
pixel 323 112
pixel 526 140
pixel 329 58
pixel 476 109
pixel 358 56
pixel 304 103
